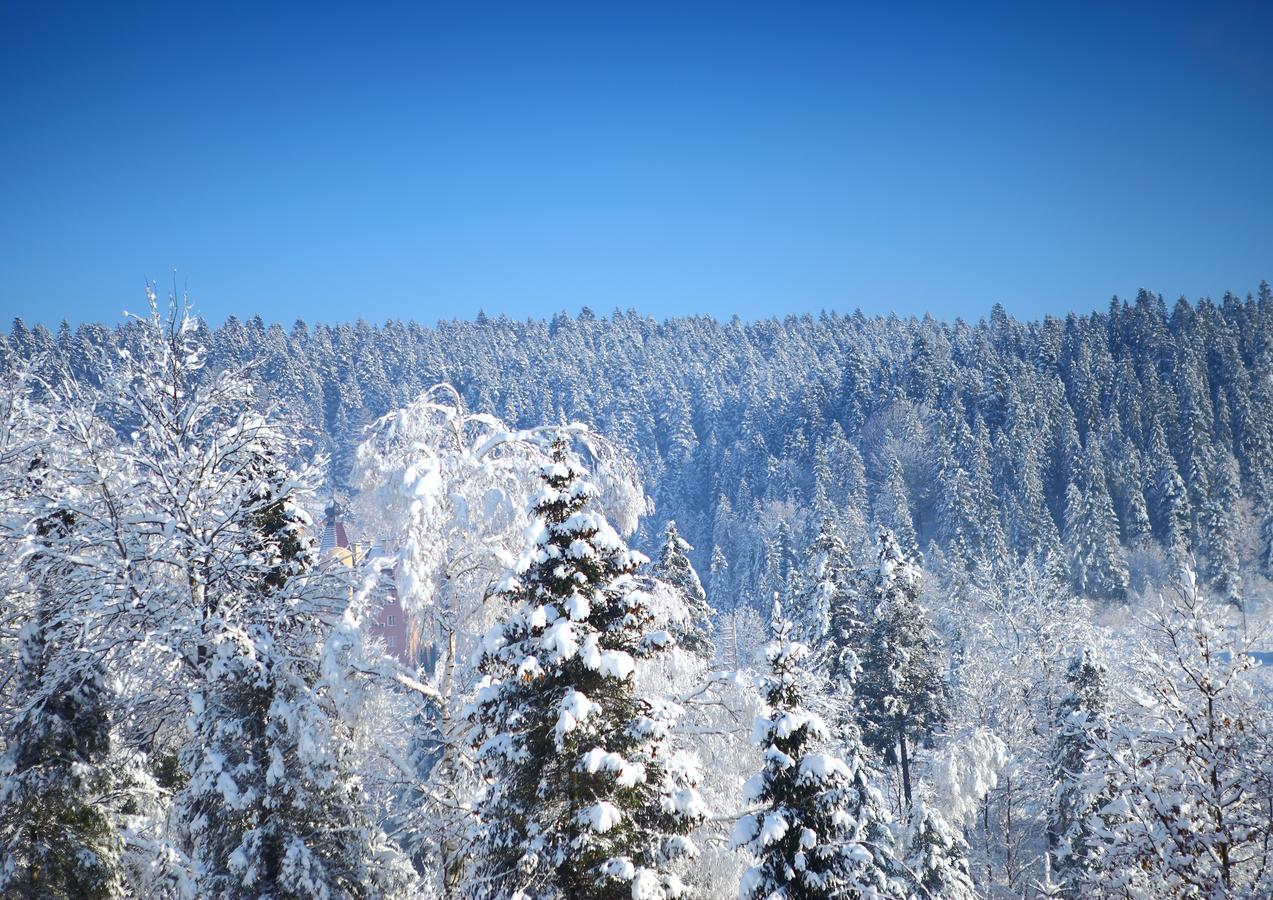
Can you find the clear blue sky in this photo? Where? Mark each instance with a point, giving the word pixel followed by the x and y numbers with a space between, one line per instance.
pixel 430 160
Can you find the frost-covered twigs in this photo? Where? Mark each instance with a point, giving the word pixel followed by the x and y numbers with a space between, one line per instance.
pixel 1187 780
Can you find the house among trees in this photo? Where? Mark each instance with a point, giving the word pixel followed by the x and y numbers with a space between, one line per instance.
pixel 389 623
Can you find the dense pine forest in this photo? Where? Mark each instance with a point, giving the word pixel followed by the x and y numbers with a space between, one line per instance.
pixel 830 606
pixel 1122 442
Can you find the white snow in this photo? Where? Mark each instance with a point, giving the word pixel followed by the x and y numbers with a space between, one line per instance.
pixel 601 816
pixel 617 664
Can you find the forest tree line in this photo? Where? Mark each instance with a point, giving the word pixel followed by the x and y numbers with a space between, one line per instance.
pixel 957 633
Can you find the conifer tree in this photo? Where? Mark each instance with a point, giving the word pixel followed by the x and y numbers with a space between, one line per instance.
pixel 58 835
pixel 822 830
pixel 820 587
pixel 586 797
pixel 674 568
pixel 937 856
pixel 273 803
pixel 741 637
pixel 892 508
pixel 958 527
pixel 1081 725
pixel 718 571
pixel 1171 499
pixel 902 695
pixel 1097 565
pixel 1219 530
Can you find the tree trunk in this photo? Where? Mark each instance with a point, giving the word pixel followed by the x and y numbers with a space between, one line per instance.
pixel 906 765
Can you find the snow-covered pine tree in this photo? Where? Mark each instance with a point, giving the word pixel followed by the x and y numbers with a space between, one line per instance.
pixel 674 568
pixel 1172 513
pixel 821 830
pixel 220 588
pixel 937 856
pixel 842 635
pixel 586 795
pixel 892 508
pixel 779 560
pixel 819 585
pixel 958 527
pixel 1097 565
pixel 58 835
pixel 1081 723
pixel 740 637
pixel 273 803
pixel 1219 530
pixel 902 695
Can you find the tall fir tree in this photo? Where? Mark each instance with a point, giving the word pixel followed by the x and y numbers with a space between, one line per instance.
pixel 937 856
pixel 1220 517
pixel 822 830
pixel 1097 565
pixel 586 796
pixel 1171 513
pixel 892 508
pixel 819 586
pixel 902 695
pixel 274 802
pixel 674 568
pixel 1081 725
pixel 58 832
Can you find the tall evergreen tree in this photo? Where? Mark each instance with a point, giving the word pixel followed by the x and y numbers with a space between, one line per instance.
pixel 586 798
pixel 892 508
pixel 674 568
pixel 1171 500
pixel 1081 724
pixel 273 802
pixel 820 585
pixel 1097 565
pixel 937 856
pixel 58 834
pixel 218 576
pixel 902 695
pixel 1219 530
pixel 822 830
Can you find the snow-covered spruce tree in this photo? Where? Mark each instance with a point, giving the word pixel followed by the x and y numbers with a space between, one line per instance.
pixel 937 856
pixel 821 830
pixel 817 585
pixel 273 804
pixel 1081 723
pixel 837 597
pixel 225 598
pixel 674 568
pixel 1189 774
pixel 449 489
pixel 586 796
pixel 1219 530
pixel 892 508
pixel 1097 565
pixel 58 835
pixel 1170 499
pixel 902 696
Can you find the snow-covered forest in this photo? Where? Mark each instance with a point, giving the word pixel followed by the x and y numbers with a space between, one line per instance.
pixel 820 607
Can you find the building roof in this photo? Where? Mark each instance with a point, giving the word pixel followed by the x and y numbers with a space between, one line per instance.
pixel 334 535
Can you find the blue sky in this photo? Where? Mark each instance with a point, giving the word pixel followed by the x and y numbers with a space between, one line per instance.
pixel 429 160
